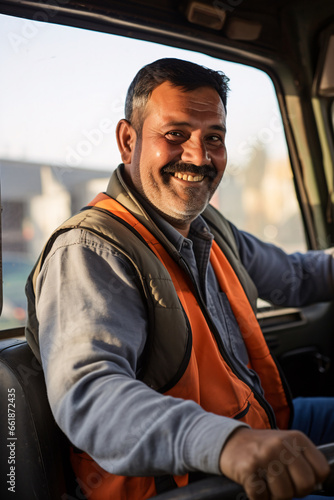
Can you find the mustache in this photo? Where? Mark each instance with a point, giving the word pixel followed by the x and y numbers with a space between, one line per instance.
pixel 180 166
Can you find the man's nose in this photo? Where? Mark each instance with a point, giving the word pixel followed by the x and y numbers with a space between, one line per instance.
pixel 195 151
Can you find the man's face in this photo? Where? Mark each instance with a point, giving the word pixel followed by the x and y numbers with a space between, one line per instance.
pixel 180 157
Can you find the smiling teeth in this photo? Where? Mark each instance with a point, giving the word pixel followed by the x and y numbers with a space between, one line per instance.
pixel 189 178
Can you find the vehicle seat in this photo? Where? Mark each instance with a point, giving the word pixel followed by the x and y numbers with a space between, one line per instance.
pixel 38 449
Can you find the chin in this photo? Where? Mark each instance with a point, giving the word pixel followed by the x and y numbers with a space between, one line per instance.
pixel 183 216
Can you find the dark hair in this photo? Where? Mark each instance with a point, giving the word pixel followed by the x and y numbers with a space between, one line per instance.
pixel 184 74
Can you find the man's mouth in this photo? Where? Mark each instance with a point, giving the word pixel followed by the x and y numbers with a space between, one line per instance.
pixel 188 172
pixel 189 177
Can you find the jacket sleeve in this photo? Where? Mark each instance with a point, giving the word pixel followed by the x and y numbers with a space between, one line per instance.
pixel 295 279
pixel 92 330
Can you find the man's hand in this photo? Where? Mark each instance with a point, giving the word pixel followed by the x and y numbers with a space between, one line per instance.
pixel 272 464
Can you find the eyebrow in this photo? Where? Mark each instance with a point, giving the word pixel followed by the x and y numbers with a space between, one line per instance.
pixel 221 128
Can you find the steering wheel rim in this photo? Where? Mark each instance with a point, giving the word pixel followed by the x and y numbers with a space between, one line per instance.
pixel 211 488
pixel 220 487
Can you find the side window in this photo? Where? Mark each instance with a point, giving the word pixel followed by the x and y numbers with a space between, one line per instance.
pixel 257 192
pixel 62 93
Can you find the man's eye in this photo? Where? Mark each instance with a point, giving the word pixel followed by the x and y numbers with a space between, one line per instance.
pixel 174 135
pixel 215 139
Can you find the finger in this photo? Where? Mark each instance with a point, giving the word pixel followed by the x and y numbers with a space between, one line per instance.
pixel 256 486
pixel 318 462
pixel 280 483
pixel 302 476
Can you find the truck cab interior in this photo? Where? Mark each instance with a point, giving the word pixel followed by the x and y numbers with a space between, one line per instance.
pixel 65 67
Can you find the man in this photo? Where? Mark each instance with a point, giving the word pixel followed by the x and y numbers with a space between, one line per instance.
pixel 155 364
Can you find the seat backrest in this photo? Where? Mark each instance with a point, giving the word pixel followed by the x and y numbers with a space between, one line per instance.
pixel 32 446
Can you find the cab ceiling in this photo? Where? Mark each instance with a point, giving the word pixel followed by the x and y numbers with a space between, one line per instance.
pixel 270 29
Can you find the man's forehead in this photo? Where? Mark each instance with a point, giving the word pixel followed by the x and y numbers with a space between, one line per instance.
pixel 167 89
pixel 168 97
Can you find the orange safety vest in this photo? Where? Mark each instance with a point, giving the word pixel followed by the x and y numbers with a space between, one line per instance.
pixel 208 379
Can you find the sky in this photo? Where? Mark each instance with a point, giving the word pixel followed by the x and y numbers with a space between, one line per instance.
pixel 63 91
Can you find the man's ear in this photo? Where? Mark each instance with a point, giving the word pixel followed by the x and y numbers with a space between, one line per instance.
pixel 126 140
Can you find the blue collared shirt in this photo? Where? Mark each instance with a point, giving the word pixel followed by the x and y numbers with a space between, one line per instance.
pixel 195 249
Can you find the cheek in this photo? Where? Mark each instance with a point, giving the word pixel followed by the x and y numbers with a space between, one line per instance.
pixel 153 155
pixel 163 152
pixel 220 161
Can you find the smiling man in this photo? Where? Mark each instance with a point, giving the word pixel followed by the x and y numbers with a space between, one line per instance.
pixel 142 312
pixel 181 157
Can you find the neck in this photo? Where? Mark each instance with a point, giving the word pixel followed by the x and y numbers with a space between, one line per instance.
pixel 184 230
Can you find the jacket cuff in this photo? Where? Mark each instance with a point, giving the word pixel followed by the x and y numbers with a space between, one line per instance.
pixel 205 441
